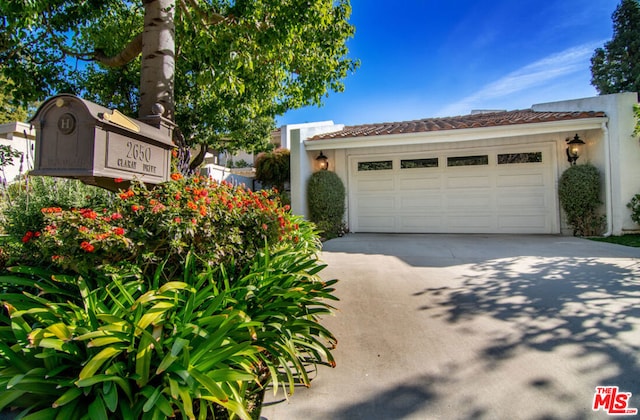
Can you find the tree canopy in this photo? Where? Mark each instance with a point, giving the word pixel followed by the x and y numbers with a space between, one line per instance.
pixel 10 111
pixel 615 68
pixel 238 64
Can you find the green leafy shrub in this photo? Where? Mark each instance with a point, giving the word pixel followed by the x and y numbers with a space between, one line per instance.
pixel 9 248
pixel 144 315
pixel 634 205
pixel 636 112
pixel 239 164
pixel 7 155
pixel 273 168
pixel 579 192
pixel 22 201
pixel 219 222
pixel 326 200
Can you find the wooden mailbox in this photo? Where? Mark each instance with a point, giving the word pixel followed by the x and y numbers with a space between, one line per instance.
pixel 79 139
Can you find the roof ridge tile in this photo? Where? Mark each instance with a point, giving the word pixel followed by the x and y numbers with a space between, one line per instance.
pixel 476 120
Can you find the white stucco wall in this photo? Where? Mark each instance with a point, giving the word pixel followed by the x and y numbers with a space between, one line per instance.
pixel 13 135
pixel 303 162
pixel 617 155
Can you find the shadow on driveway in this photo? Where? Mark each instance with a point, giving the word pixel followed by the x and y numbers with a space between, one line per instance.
pixel 553 302
pixel 481 326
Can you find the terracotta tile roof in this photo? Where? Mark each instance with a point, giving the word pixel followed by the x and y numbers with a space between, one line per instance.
pixel 477 120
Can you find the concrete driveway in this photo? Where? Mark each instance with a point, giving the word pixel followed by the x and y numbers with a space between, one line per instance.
pixel 474 327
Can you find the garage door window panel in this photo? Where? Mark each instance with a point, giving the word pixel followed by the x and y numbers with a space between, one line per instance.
pixel 511 158
pixel 378 165
pixel 478 160
pixel 418 163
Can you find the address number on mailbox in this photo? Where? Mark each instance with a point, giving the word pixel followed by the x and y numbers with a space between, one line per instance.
pixel 138 151
pixel 130 155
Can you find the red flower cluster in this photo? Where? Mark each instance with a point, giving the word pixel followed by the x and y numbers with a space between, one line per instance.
pixel 88 213
pixel 27 236
pixel 113 216
pixel 86 246
pixel 157 207
pixel 126 194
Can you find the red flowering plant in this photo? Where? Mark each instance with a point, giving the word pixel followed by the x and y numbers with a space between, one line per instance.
pixel 80 238
pixel 219 222
pixel 186 299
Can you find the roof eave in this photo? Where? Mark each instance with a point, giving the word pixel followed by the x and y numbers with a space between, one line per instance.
pixel 457 135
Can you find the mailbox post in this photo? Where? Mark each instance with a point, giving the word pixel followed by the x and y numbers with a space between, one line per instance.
pixel 79 139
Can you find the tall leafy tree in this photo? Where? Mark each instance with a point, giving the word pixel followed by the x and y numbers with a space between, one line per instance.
pixel 616 67
pixel 231 65
pixel 10 110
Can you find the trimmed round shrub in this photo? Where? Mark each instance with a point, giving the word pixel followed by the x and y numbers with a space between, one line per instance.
pixel 326 198
pixel 579 192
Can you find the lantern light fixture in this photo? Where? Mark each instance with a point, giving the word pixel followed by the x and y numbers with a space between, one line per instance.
pixel 574 149
pixel 323 161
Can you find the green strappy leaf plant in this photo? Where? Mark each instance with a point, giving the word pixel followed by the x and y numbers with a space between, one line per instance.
pixel 122 351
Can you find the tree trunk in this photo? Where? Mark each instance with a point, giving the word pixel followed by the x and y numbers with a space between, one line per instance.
pixel 158 58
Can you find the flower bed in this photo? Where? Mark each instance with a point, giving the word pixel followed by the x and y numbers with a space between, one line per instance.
pixel 187 299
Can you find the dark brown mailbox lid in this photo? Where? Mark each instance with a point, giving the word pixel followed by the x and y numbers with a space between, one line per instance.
pixel 121 146
pixel 111 120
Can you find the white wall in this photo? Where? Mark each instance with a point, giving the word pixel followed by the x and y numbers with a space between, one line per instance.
pixel 233 176
pixel 13 135
pixel 303 162
pixel 617 156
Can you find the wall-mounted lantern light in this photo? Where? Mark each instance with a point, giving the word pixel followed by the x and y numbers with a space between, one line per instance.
pixel 323 161
pixel 574 149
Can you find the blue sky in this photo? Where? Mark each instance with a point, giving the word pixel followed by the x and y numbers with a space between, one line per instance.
pixel 431 58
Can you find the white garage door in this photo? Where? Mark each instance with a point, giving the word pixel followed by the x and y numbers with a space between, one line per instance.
pixel 501 190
